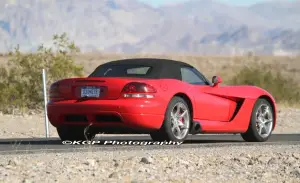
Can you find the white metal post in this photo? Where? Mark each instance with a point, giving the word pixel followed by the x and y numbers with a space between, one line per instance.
pixel 45 103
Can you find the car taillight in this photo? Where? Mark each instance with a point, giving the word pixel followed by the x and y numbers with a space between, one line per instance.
pixel 138 90
pixel 54 93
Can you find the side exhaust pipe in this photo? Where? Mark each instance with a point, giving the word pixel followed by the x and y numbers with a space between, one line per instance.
pixel 196 128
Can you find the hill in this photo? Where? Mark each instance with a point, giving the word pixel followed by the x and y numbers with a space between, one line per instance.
pixel 196 26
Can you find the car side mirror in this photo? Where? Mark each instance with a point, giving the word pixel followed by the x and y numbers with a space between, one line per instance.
pixel 216 80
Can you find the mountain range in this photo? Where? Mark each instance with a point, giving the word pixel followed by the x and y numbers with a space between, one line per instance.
pixel 130 26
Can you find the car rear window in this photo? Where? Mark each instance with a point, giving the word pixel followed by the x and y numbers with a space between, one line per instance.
pixel 138 70
pixel 122 71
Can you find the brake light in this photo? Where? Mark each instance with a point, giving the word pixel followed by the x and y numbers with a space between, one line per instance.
pixel 138 90
pixel 54 93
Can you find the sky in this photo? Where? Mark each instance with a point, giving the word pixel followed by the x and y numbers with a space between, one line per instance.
pixel 232 2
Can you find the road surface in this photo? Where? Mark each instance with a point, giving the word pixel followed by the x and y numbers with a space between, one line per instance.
pixel 43 145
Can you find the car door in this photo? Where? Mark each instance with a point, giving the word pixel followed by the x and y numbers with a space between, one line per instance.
pixel 207 106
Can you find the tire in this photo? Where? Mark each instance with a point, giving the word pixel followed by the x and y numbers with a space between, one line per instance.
pixel 73 133
pixel 166 133
pixel 253 133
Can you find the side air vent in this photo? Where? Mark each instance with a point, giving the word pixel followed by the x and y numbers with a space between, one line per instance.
pixel 237 109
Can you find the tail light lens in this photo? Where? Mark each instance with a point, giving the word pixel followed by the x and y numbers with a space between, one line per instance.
pixel 138 90
pixel 54 93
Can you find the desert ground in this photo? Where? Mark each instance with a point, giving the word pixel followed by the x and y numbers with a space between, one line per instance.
pixel 208 164
pixel 266 163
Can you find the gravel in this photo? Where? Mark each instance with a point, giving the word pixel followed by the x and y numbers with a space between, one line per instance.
pixel 28 126
pixel 269 163
pixel 207 164
pixel 288 121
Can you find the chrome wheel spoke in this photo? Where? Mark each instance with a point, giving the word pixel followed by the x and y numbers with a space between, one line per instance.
pixel 260 130
pixel 264 120
pixel 268 121
pixel 259 111
pixel 180 120
pixel 174 123
pixel 186 126
pixel 263 126
pixel 176 130
pixel 173 115
pixel 265 112
pixel 259 120
pixel 180 124
pixel 178 110
pixel 183 114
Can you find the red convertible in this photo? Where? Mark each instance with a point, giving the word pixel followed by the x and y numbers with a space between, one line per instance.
pixel 165 98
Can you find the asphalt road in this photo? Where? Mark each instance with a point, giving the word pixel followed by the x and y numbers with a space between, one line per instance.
pixel 134 142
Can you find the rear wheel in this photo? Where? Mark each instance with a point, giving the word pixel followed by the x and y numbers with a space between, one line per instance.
pixel 74 133
pixel 177 122
pixel 261 123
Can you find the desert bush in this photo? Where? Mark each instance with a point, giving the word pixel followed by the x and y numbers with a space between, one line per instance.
pixel 21 79
pixel 284 90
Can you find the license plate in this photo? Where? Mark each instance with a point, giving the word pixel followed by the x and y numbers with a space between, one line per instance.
pixel 90 91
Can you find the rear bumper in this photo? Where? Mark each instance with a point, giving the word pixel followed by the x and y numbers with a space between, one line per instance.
pixel 133 113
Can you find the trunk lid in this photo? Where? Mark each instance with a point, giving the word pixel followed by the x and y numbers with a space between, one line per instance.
pixel 109 88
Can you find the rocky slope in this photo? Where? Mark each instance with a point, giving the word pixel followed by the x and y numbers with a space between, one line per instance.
pixel 196 26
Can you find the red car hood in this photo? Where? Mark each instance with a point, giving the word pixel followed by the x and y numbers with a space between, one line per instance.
pixel 251 92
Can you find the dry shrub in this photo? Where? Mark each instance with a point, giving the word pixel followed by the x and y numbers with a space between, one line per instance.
pixel 21 84
pixel 284 89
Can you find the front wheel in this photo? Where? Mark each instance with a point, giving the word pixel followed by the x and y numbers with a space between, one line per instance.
pixel 261 122
pixel 177 122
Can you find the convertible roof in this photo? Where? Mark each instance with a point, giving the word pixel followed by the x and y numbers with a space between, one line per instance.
pixel 161 68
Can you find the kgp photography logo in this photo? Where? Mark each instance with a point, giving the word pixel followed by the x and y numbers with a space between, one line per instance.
pixel 115 142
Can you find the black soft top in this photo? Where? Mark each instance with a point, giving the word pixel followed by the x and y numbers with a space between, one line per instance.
pixel 160 68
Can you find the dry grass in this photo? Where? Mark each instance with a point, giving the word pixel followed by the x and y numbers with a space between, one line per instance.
pixel 224 66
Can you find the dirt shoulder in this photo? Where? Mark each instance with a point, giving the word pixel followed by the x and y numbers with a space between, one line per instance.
pixel 205 164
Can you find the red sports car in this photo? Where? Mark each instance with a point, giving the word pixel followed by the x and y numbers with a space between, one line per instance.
pixel 165 98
